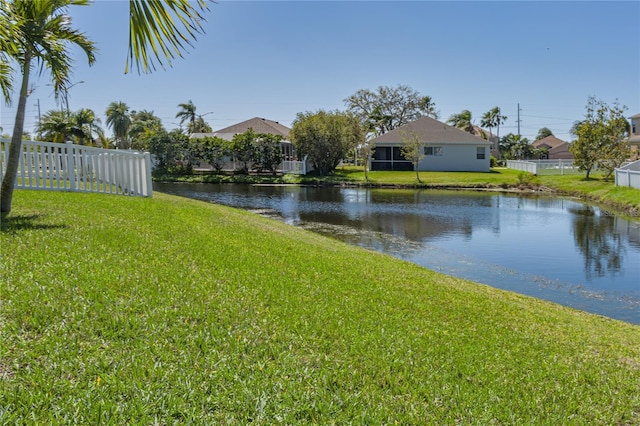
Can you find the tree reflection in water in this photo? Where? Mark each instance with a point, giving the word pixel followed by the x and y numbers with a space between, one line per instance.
pixel 596 238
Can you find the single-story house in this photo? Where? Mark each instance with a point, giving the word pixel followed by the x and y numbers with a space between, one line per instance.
pixel 446 148
pixel 554 148
pixel 259 125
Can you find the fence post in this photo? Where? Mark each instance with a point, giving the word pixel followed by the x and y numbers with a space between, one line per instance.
pixel 71 172
pixel 149 183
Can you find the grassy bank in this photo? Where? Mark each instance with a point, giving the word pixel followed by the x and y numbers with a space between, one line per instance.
pixel 120 310
pixel 624 201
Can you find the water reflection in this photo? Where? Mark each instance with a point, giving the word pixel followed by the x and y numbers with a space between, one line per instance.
pixel 553 248
pixel 596 237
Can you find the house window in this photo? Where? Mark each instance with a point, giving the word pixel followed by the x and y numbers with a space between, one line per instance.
pixel 480 153
pixel 633 127
pixel 433 150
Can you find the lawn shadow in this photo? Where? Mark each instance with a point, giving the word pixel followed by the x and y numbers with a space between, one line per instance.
pixel 25 222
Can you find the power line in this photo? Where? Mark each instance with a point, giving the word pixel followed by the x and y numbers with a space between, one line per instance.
pixel 550 118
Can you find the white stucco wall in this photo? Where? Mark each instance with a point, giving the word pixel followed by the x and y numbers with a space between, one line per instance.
pixel 457 158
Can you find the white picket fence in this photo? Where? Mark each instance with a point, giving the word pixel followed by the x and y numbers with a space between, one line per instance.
pixel 68 167
pixel 294 167
pixel 544 167
pixel 628 175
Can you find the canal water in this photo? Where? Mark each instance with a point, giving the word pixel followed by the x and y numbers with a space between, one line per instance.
pixel 552 248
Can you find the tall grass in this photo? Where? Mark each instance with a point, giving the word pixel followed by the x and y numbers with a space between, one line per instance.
pixel 119 310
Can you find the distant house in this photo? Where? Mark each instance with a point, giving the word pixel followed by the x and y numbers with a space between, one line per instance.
pixel 634 136
pixel 553 148
pixel 259 125
pixel 445 147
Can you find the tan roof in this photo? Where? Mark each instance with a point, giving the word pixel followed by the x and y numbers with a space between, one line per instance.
pixel 550 141
pixel 431 131
pixel 259 125
pixel 635 116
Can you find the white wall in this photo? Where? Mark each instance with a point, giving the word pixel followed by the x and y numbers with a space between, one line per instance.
pixel 457 158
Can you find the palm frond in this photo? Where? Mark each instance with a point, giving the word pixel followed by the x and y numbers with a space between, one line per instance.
pixel 161 30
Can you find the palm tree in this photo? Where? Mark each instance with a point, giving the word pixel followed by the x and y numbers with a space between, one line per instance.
pixel 187 113
pixel 86 123
pixel 40 30
pixel 499 119
pixel 36 32
pixel 162 28
pixel 428 107
pixel 493 119
pixel 55 126
pixel 143 124
pixel 201 126
pixel 119 121
pixel 6 82
pixel 462 121
pixel 487 121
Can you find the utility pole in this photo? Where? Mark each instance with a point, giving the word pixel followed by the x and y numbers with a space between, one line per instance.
pixel 66 94
pixel 37 125
pixel 518 121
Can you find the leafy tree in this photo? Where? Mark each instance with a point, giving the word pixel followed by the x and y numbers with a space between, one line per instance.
pixel 40 33
pixel 543 133
pixel 389 107
pixel 171 152
pixel 601 138
pixel 462 121
pixel 326 137
pixel 366 150
pixel 187 113
pixel 119 120
pixel 243 148
pixel 413 150
pixel 212 150
pixel 377 122
pixel 267 152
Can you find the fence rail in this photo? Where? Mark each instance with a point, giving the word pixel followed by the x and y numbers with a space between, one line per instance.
pixel 294 167
pixel 68 167
pixel 544 167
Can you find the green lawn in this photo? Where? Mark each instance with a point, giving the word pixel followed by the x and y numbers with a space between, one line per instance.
pixel 126 310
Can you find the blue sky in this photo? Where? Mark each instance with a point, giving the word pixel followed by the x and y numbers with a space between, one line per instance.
pixel 274 59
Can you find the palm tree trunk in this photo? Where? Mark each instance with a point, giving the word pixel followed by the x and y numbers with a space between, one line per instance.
pixel 15 148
